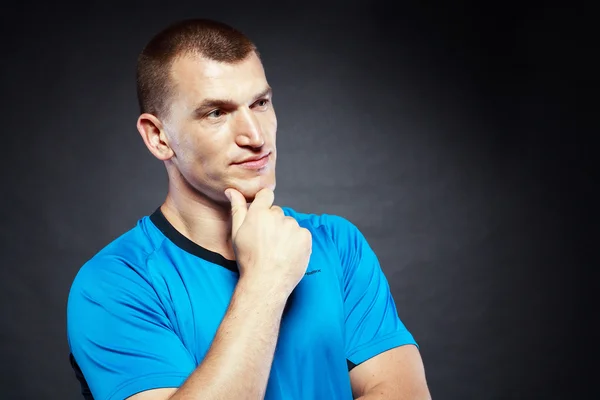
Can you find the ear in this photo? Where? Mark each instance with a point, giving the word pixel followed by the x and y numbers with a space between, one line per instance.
pixel 152 131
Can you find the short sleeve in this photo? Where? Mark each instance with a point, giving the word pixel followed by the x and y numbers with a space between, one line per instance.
pixel 372 324
pixel 119 334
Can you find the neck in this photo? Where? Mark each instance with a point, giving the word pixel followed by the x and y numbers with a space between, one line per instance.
pixel 199 218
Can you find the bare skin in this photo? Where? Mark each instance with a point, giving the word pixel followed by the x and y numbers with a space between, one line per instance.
pixel 272 252
pixel 202 143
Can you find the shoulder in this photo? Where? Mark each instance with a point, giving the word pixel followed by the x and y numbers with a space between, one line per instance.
pixel 119 263
pixel 316 221
pixel 337 228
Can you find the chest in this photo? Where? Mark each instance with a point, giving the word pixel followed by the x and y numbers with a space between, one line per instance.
pixel 198 297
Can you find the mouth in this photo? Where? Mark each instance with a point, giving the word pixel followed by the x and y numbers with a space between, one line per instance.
pixel 256 162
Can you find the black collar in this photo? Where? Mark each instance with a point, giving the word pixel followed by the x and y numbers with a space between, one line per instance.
pixel 158 219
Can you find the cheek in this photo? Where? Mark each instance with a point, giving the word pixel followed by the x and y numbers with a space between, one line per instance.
pixel 186 152
pixel 208 157
pixel 269 124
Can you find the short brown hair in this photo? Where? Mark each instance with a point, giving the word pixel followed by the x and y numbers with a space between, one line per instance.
pixel 202 37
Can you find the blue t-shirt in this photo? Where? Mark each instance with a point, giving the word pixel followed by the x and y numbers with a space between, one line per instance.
pixel 142 312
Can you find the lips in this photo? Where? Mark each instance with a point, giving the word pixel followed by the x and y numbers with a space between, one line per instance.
pixel 256 162
pixel 253 159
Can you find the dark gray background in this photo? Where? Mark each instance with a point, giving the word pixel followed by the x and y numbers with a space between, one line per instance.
pixel 451 136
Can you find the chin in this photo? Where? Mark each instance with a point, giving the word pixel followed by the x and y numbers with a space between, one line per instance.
pixel 250 190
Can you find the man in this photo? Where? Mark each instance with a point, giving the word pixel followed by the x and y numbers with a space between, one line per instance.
pixel 220 294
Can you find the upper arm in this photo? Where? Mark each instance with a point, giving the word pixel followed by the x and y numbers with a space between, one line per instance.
pixel 377 341
pixel 398 372
pixel 372 324
pixel 119 334
pixel 154 394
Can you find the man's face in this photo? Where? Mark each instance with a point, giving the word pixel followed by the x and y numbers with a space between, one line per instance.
pixel 221 115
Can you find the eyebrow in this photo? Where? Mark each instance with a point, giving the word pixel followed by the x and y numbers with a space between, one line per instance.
pixel 227 103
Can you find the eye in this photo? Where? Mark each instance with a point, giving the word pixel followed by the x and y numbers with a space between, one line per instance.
pixel 262 103
pixel 215 114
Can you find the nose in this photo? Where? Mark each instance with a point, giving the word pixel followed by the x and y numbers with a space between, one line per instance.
pixel 248 130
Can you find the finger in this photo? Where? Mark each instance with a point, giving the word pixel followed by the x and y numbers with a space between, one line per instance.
pixel 278 210
pixel 238 209
pixel 291 220
pixel 263 199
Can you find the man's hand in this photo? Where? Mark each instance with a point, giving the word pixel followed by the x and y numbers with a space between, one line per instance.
pixel 272 250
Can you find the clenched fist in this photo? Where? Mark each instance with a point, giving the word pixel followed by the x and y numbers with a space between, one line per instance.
pixel 272 250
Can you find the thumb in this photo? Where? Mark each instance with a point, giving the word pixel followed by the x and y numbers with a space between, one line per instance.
pixel 239 208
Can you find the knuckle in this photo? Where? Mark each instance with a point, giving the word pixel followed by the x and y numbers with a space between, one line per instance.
pixel 289 219
pixel 277 210
pixel 306 234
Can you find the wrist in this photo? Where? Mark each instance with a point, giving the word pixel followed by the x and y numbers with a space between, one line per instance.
pixel 261 291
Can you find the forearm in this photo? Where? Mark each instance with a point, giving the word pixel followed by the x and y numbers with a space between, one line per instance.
pixel 238 363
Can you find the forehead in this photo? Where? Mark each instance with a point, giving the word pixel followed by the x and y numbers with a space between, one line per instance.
pixel 196 78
